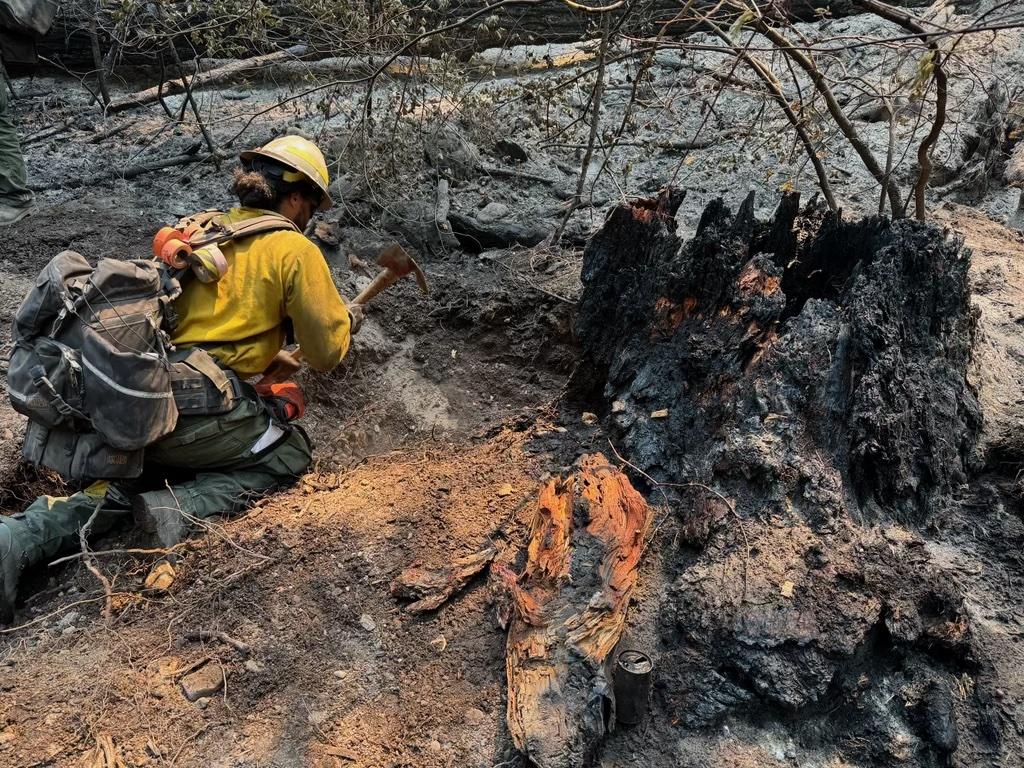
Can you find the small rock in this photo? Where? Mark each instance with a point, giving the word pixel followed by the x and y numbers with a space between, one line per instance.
pixel 205 681
pixel 327 232
pixel 439 643
pixel 68 619
pixel 661 413
pixel 618 406
pixel 787 588
pixel 203 703
pixel 434 746
pixel 69 630
pixel 511 150
pixel 474 716
pixel 254 666
pixel 590 419
pixel 318 717
pixel 505 490
pixel 366 622
pixel 161 577
pixel 341 674
pixel 492 212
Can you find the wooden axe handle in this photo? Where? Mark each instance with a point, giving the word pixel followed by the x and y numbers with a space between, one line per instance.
pixel 385 278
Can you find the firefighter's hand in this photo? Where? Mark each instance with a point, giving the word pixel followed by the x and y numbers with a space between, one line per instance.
pixel 281 368
pixel 355 316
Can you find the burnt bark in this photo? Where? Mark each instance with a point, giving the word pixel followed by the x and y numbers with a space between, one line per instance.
pixel 858 332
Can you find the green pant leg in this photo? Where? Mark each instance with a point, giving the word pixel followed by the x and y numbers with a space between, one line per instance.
pixel 50 525
pixel 229 476
pixel 14 191
pixel 225 493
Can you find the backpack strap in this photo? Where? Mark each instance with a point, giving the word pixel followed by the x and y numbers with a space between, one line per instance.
pixel 268 222
pixel 202 219
pixel 216 231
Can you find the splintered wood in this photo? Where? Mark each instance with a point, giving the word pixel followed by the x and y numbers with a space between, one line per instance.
pixel 568 609
pixel 430 588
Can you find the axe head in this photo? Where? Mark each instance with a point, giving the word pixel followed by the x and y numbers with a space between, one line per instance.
pixel 400 263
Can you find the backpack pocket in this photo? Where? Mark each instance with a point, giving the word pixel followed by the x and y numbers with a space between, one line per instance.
pixel 45 383
pixel 79 455
pixel 127 395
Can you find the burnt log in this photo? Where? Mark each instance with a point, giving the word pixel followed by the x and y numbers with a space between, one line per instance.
pixel 798 388
pixel 568 610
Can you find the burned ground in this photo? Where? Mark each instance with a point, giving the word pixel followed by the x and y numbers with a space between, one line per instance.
pixel 838 584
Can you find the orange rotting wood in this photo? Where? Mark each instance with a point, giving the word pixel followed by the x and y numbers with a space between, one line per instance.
pixel 431 588
pixel 568 611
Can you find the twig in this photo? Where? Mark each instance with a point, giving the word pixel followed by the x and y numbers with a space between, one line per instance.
pixel 97 58
pixel 842 121
pixel 156 165
pixel 208 636
pixel 595 125
pixel 190 99
pixel 51 614
pixel 924 159
pixel 65 70
pixel 90 562
pixel 110 552
pixel 512 173
pixel 199 732
pixel 775 88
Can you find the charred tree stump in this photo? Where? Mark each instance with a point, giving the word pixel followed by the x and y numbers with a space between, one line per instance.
pixel 568 609
pixel 798 388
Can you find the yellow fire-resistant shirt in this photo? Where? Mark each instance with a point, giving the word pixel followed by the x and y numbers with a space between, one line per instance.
pixel 272 276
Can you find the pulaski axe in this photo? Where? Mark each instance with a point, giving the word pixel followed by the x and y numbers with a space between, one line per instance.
pixel 396 263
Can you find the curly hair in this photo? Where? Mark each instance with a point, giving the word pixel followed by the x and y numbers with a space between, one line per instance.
pixel 254 190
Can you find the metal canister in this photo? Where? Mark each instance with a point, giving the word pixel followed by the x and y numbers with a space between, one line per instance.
pixel 632 686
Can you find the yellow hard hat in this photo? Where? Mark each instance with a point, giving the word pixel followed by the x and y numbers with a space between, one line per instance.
pixel 302 156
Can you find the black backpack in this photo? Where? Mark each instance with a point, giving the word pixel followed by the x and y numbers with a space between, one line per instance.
pixel 93 366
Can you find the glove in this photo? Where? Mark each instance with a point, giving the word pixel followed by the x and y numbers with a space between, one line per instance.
pixel 355 317
pixel 285 400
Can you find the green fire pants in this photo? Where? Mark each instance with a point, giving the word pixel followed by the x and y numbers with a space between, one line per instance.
pixel 228 478
pixel 13 190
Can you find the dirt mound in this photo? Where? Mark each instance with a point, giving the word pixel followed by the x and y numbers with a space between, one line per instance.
pixel 787 382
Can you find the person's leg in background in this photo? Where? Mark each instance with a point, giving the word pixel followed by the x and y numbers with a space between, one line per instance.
pixel 15 196
pixel 50 526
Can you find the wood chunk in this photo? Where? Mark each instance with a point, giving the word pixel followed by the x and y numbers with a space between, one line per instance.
pixel 105 753
pixel 430 588
pixel 568 612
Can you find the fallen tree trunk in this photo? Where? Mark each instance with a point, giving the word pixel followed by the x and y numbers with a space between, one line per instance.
pixel 204 79
pixel 567 611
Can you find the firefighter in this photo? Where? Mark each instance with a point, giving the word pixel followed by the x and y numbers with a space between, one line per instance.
pixel 220 464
